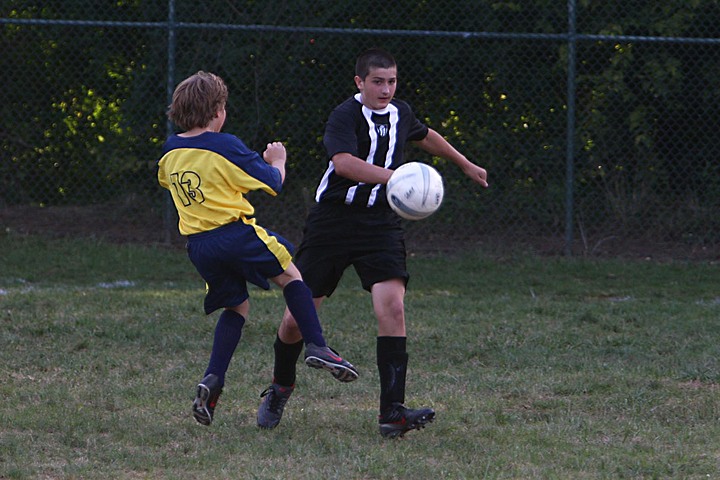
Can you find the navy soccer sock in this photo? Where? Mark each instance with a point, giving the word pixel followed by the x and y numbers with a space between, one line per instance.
pixel 300 303
pixel 227 335
pixel 286 356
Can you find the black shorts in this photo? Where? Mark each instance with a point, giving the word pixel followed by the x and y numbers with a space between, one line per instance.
pixel 338 236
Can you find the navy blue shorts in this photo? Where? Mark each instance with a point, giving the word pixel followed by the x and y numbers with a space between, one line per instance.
pixel 371 240
pixel 230 256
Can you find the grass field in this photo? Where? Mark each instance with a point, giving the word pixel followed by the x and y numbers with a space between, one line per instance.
pixel 542 368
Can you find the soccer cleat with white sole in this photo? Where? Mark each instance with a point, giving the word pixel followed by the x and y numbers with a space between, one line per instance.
pixel 328 359
pixel 208 393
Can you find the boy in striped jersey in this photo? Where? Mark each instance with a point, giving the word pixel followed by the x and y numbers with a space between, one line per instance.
pixel 208 174
pixel 352 224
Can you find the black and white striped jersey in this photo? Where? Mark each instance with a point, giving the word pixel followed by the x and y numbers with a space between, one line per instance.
pixel 376 136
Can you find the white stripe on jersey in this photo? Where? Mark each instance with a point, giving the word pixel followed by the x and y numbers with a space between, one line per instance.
pixel 351 194
pixel 367 113
pixel 324 181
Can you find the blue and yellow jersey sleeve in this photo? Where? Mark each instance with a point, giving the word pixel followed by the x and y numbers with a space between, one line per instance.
pixel 208 177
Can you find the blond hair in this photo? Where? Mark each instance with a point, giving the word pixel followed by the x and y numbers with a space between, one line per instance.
pixel 197 99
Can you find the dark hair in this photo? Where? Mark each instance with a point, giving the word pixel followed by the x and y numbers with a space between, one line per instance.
pixel 373 58
pixel 197 99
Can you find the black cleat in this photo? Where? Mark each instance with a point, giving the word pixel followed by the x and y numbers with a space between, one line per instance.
pixel 399 420
pixel 271 408
pixel 208 392
pixel 328 359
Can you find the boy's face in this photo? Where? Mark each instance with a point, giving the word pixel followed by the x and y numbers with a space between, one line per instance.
pixel 378 88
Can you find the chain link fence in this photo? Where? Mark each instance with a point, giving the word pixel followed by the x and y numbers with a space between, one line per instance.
pixel 596 121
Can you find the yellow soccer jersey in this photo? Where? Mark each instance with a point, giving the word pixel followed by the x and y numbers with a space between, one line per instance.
pixel 208 176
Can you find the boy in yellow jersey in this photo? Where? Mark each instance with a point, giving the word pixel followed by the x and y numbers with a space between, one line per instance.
pixel 208 174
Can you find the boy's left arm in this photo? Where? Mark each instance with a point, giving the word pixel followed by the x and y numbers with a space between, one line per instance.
pixel 276 156
pixel 436 145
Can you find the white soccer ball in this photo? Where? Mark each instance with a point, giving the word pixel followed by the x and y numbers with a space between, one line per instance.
pixel 415 190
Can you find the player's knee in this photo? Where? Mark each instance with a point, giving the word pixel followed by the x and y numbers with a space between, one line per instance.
pixel 288 321
pixel 288 326
pixel 392 310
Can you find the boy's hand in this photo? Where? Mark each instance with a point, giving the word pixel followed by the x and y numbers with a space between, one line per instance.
pixel 275 153
pixel 476 173
pixel 275 156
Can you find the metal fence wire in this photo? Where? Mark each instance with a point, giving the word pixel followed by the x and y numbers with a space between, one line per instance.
pixel 597 121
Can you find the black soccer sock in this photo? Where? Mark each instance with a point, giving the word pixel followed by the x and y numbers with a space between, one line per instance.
pixel 392 360
pixel 227 336
pixel 300 303
pixel 286 356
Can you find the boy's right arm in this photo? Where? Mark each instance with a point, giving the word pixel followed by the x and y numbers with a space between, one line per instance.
pixel 358 170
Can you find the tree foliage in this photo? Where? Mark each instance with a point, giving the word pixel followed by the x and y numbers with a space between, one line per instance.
pixel 83 104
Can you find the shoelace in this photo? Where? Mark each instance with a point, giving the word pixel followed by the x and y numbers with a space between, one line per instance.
pixel 277 402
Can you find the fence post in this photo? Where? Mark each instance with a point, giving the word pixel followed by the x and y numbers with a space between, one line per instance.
pixel 169 220
pixel 570 148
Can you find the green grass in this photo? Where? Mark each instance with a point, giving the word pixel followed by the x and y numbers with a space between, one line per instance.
pixel 538 368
